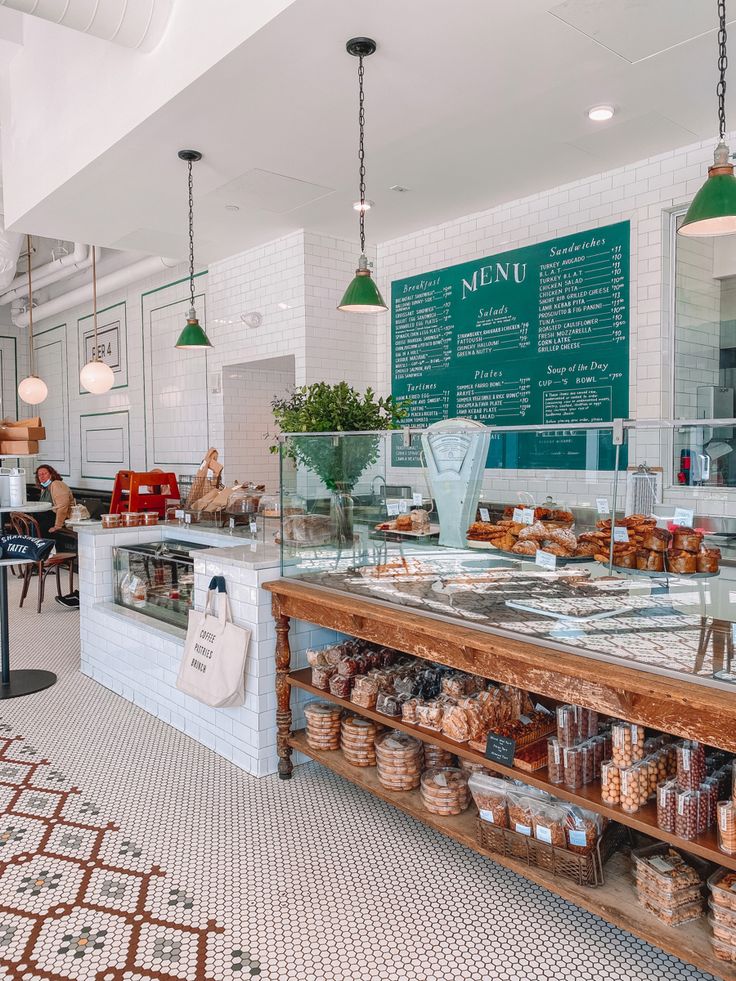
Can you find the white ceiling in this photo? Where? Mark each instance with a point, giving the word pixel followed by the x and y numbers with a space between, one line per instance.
pixel 468 104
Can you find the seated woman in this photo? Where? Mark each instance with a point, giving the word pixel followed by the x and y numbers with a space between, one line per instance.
pixel 55 491
pixel 51 523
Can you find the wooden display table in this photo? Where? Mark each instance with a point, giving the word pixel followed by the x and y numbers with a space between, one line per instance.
pixel 680 706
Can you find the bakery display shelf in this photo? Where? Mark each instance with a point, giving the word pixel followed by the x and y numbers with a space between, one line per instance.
pixel 663 574
pixel 561 559
pixel 615 901
pixel 643 820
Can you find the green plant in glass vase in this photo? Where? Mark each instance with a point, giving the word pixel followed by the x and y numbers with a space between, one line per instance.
pixel 339 461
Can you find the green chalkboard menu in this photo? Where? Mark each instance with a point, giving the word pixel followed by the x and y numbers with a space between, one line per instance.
pixel 535 335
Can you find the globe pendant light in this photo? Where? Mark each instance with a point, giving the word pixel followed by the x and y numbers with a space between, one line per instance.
pixel 96 376
pixel 193 335
pixel 32 389
pixel 713 210
pixel 362 295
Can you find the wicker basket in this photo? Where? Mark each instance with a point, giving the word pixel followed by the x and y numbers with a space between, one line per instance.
pixel 586 870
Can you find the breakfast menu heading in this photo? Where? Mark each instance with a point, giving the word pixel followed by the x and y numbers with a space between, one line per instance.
pixel 535 335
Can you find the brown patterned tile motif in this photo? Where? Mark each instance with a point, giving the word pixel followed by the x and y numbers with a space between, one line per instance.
pixel 69 914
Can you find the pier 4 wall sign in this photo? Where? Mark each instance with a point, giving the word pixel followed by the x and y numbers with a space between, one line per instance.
pixel 536 335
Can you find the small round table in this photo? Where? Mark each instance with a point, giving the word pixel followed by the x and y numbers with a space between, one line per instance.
pixel 22 681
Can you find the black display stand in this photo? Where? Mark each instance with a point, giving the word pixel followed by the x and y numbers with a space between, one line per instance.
pixel 22 681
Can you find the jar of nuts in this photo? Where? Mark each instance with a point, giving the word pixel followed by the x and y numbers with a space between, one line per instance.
pixel 686 814
pixel 610 782
pixel 572 759
pixel 690 764
pixel 667 805
pixel 628 743
pixel 634 787
pixel 555 768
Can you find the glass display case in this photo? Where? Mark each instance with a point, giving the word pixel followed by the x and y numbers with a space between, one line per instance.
pixel 570 538
pixel 156 579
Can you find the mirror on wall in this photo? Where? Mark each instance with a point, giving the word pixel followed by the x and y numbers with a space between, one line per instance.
pixel 705 359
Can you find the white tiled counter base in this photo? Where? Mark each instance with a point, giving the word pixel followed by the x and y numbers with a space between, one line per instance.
pixel 138 657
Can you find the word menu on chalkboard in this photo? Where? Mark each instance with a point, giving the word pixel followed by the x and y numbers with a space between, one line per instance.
pixel 537 335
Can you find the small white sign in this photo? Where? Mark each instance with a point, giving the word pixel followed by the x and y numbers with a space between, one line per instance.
pixel 601 504
pixel 253 526
pixel 417 500
pixel 187 518
pixel 484 514
pixel 620 534
pixel 545 560
pixel 232 523
pixel 392 508
pixel 179 515
pixel 403 507
pixel 684 517
pixel 524 516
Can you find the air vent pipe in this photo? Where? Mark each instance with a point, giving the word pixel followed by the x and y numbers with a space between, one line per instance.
pixel 132 23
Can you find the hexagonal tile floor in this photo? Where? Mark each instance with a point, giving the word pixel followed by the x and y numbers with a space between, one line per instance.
pixel 130 853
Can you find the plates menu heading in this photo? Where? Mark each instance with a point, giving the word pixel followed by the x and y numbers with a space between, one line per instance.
pixel 536 335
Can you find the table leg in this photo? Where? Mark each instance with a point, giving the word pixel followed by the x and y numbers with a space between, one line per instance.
pixel 25 680
pixel 283 695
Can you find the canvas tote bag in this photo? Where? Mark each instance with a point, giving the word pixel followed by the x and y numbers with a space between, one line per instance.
pixel 212 669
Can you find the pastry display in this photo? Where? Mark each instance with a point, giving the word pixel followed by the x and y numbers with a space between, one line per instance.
pixel 682 562
pixel 399 760
pixel 686 540
pixel 416 521
pixel 559 516
pixel 652 549
pixel 525 540
pixel 444 790
pixel 323 725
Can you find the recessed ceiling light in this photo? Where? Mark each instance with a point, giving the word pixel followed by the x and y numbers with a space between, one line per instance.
pixel 232 207
pixel 364 206
pixel 601 114
pixel 283 306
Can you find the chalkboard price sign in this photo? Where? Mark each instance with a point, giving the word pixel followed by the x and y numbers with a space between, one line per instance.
pixel 500 749
pixel 537 335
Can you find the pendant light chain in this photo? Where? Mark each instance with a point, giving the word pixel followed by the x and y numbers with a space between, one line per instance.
pixel 29 243
pixel 361 151
pixel 191 234
pixel 95 356
pixel 722 66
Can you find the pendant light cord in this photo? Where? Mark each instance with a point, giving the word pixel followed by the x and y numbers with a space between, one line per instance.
pixel 95 356
pixel 361 151
pixel 191 234
pixel 722 66
pixel 29 244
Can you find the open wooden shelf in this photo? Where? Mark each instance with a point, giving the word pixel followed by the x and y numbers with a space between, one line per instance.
pixel 644 820
pixel 615 901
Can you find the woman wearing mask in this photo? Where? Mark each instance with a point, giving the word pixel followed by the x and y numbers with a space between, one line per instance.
pixel 56 492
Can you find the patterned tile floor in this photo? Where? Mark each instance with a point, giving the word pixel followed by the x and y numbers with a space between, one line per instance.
pixel 130 853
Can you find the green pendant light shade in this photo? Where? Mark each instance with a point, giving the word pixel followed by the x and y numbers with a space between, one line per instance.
pixel 713 210
pixel 362 295
pixel 193 335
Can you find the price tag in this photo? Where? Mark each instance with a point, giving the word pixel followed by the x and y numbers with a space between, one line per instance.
pixel 545 560
pixel 488 816
pixel 620 534
pixel 545 834
pixel 524 719
pixel 417 500
pixel 253 526
pixel 683 517
pixel 392 507
pixel 523 829
pixel 187 518
pixel 601 504
pixel 232 523
pixel 542 708
pixel 500 749
pixel 403 507
pixel 484 514
pixel 660 864
pixel 576 837
pixel 254 546
pixel 524 516
pixel 179 515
